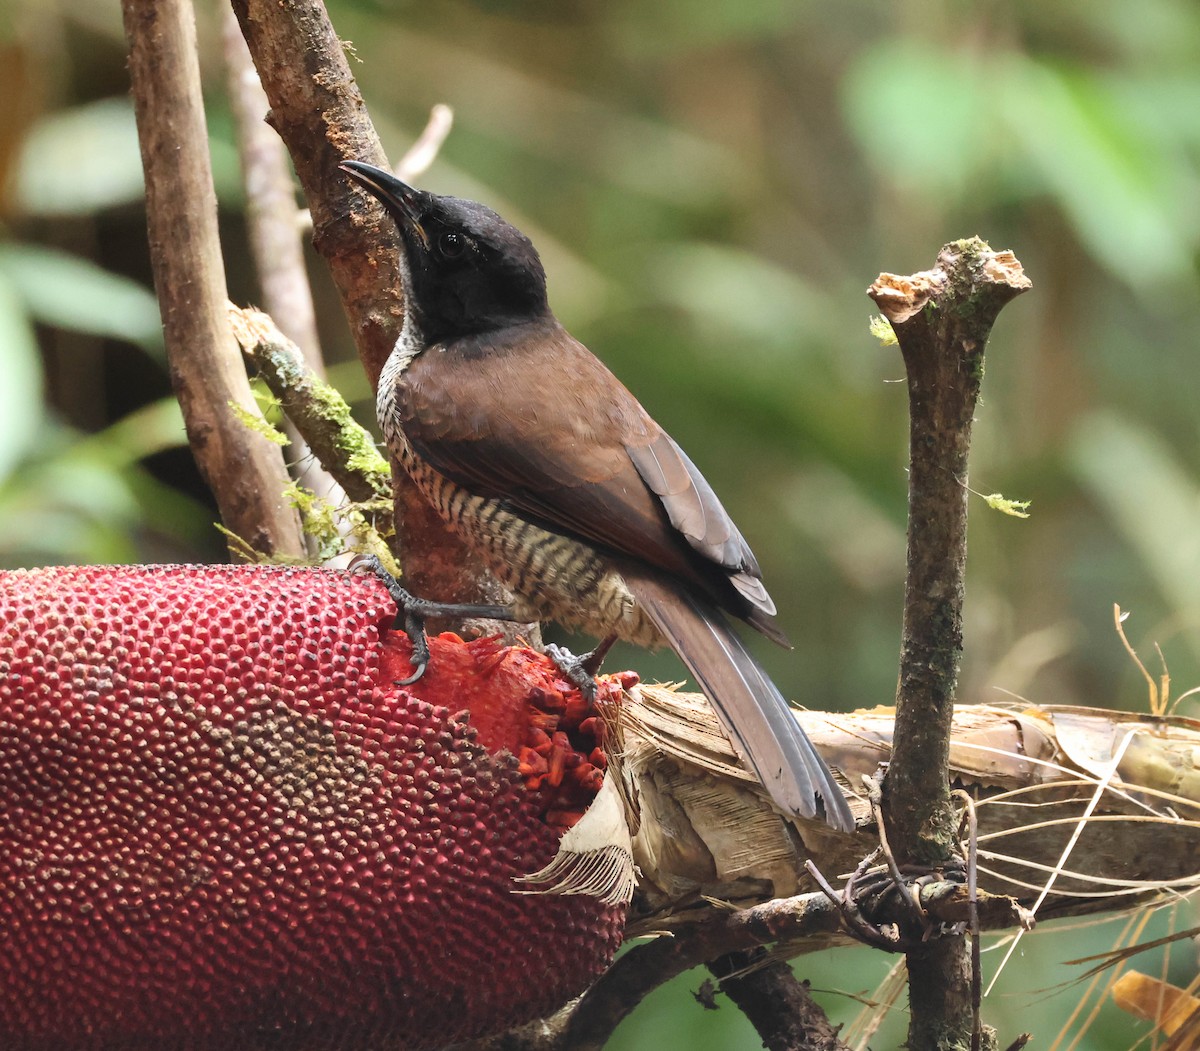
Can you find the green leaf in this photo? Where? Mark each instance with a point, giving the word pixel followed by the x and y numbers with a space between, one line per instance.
pixel 1151 498
pixel 919 114
pixel 1108 175
pixel 21 389
pixel 70 292
pixel 78 161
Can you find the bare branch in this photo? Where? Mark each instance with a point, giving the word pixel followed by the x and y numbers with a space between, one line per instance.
pixel 942 319
pixel 270 204
pixel 318 112
pixel 245 472
pixel 777 1003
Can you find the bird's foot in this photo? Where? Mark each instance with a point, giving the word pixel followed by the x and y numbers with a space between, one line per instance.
pixel 412 612
pixel 581 670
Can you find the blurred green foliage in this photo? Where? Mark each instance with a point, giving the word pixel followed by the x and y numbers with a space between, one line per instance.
pixel 712 185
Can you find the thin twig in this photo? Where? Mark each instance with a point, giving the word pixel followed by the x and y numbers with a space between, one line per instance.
pixel 1160 692
pixel 422 153
pixel 874 797
pixel 971 819
pixel 1080 825
pixel 271 207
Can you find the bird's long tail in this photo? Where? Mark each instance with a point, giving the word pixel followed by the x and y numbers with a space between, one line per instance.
pixel 759 721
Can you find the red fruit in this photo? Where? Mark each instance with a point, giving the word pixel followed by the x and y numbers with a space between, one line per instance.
pixel 222 826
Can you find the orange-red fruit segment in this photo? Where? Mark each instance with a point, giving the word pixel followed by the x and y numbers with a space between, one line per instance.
pixel 222 826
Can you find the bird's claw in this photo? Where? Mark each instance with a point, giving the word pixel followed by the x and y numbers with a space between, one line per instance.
pixel 414 627
pixel 412 612
pixel 581 670
pixel 408 612
pixel 574 668
pixel 369 565
pixel 408 680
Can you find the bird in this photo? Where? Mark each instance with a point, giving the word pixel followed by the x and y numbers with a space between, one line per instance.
pixel 551 470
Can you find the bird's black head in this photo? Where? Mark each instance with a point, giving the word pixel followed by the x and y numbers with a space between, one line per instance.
pixel 468 271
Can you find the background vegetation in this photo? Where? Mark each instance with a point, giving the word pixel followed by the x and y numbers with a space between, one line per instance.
pixel 713 184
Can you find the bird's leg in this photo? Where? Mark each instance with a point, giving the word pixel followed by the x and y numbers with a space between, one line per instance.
pixel 581 670
pixel 412 612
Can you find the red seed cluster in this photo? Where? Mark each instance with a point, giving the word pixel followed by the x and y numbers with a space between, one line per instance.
pixel 519 701
pixel 222 826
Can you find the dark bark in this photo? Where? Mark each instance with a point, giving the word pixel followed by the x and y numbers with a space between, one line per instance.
pixel 778 1004
pixel 804 921
pixel 942 319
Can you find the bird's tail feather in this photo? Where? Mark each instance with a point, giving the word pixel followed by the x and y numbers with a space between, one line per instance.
pixel 759 721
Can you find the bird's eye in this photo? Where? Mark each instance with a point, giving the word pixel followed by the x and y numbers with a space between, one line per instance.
pixel 451 244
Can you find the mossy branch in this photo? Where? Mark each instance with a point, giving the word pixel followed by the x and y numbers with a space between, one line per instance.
pixel 345 449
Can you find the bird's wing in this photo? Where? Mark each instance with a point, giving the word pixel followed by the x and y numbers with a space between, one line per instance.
pixel 556 436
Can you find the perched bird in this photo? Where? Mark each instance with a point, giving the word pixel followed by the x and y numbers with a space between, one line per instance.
pixel 546 465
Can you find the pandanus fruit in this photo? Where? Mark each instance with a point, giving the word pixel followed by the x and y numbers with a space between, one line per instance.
pixel 222 824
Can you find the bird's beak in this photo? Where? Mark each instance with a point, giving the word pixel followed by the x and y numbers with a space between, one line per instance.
pixel 402 201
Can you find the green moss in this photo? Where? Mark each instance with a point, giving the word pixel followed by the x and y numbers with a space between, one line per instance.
pixel 882 330
pixel 350 528
pixel 252 421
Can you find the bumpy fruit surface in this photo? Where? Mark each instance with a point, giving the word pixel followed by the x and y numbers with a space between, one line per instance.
pixel 223 826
